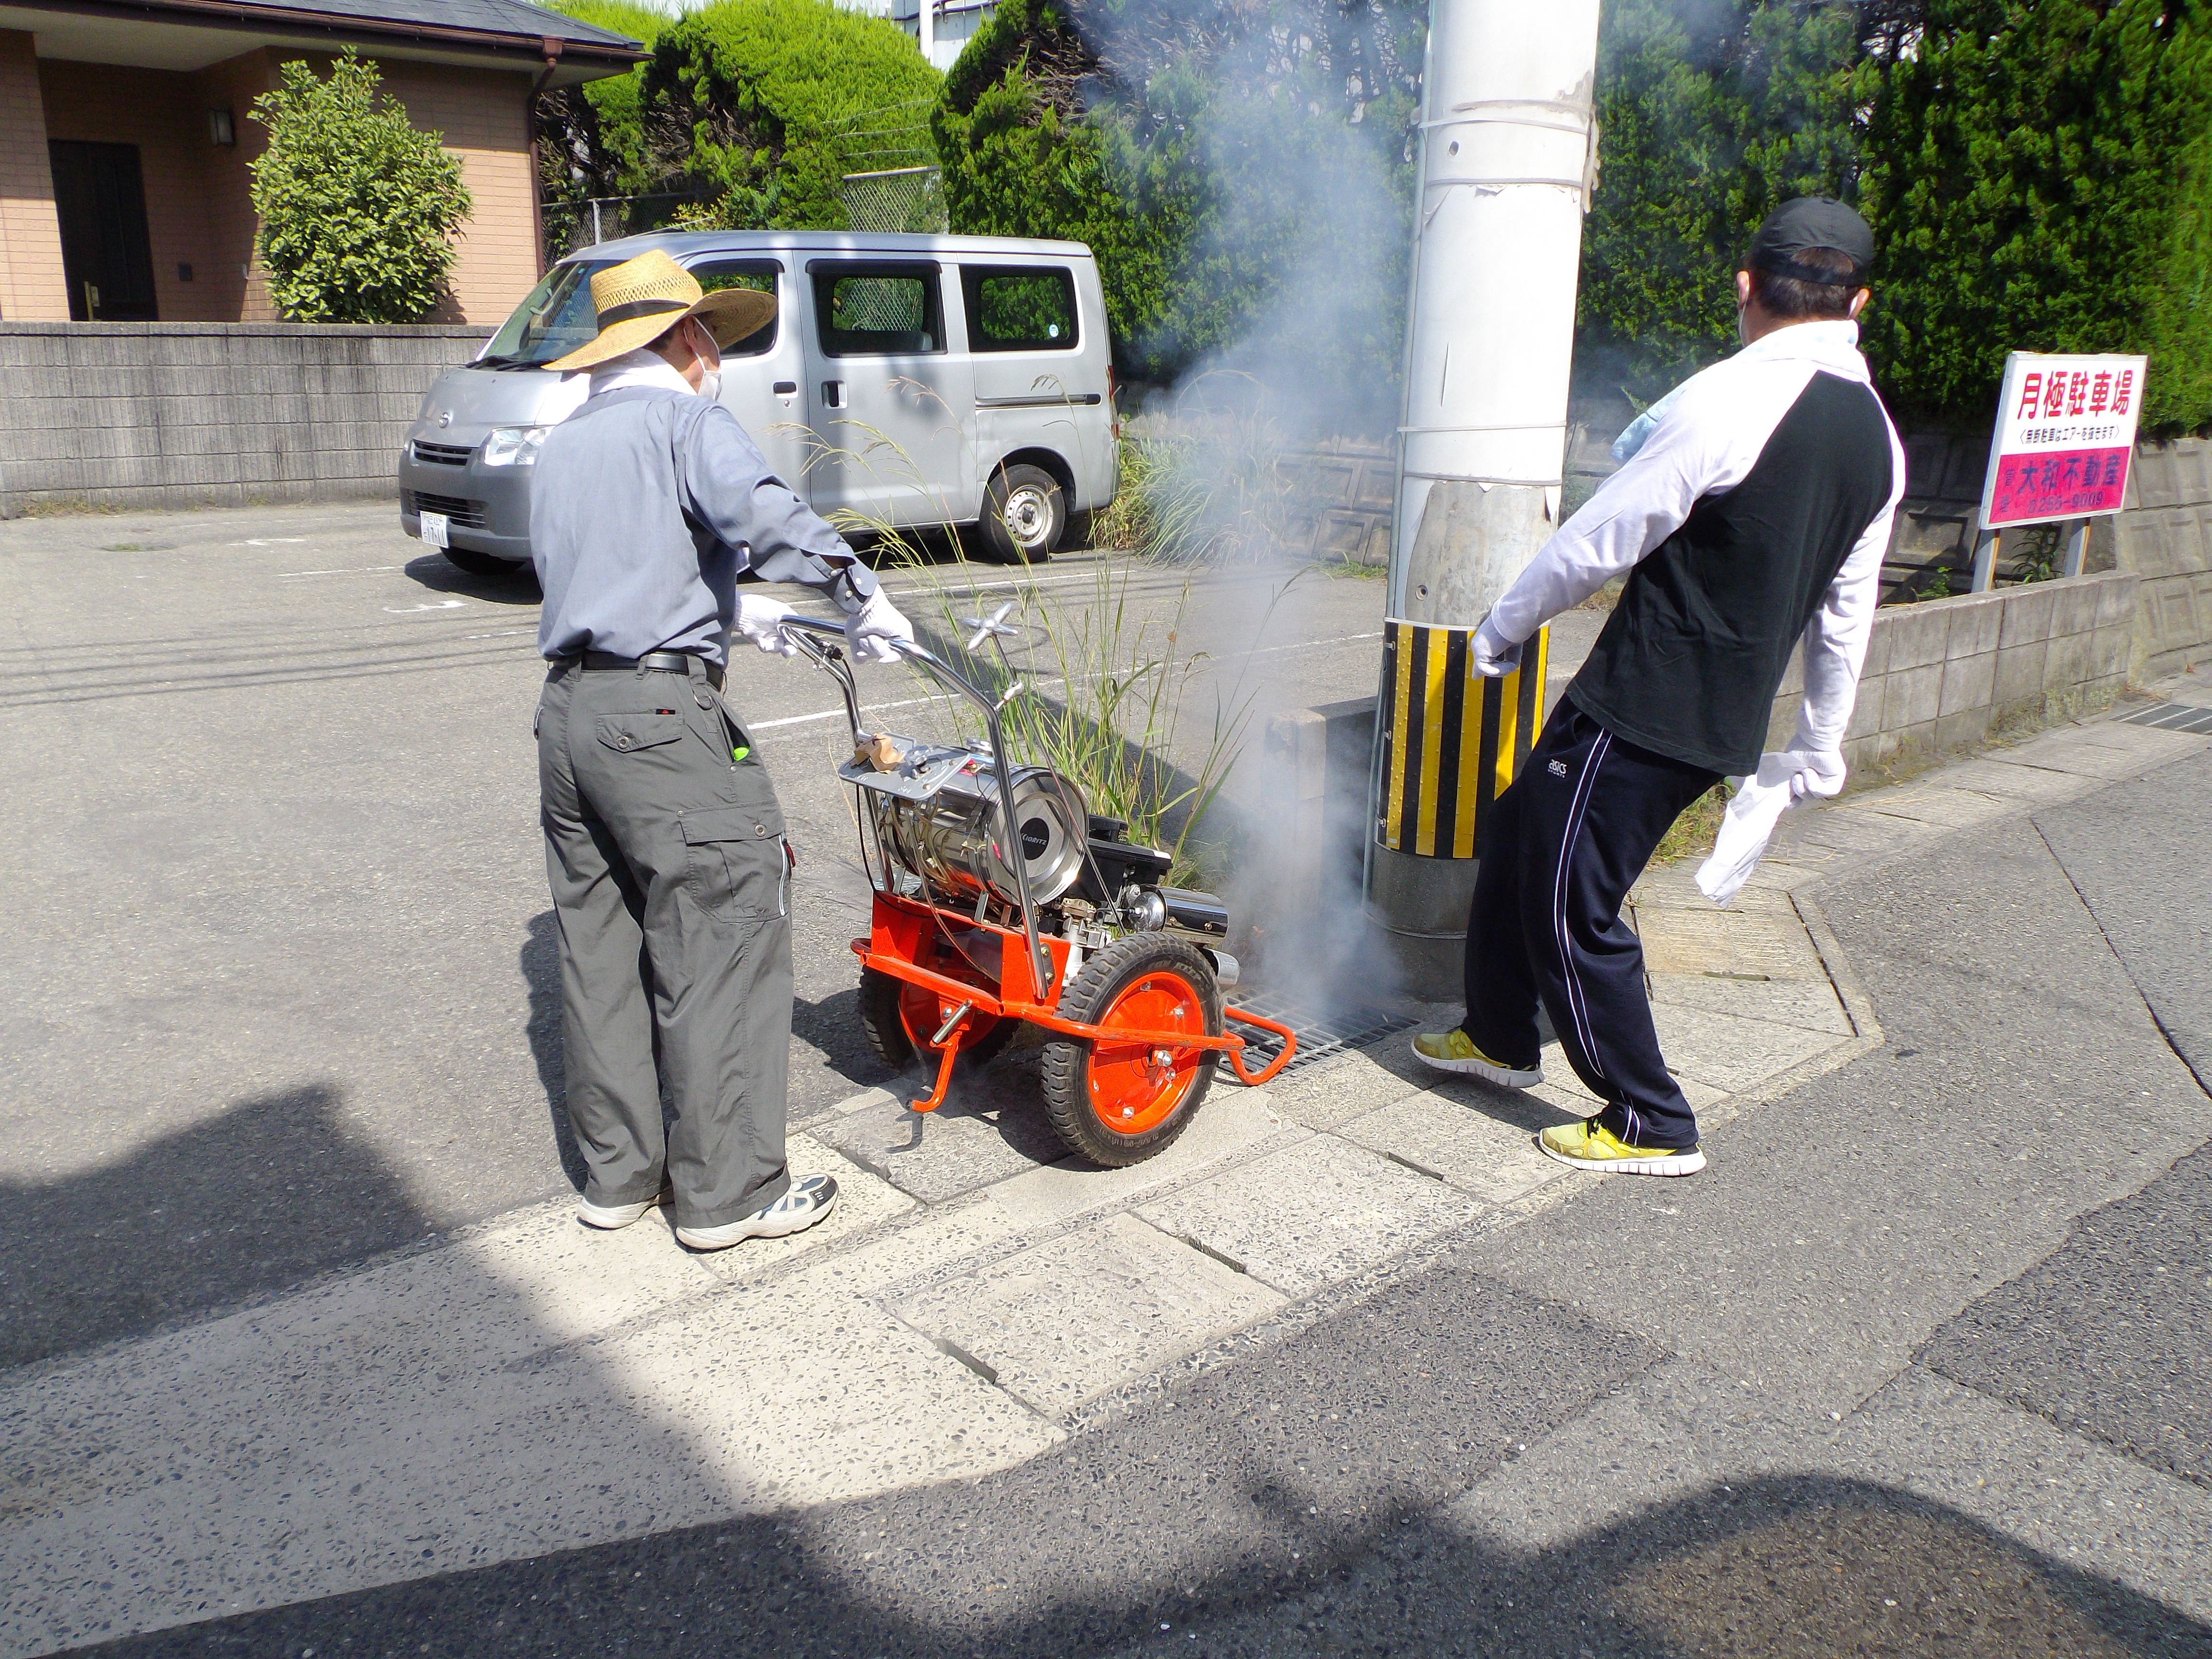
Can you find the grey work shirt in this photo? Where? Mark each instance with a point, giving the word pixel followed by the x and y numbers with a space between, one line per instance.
pixel 646 505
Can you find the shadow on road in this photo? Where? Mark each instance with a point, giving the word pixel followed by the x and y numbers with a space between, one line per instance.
pixel 1809 1566
pixel 541 973
pixel 441 575
pixel 269 1193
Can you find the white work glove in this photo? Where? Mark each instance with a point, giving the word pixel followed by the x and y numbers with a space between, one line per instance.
pixel 870 630
pixel 1491 654
pixel 1814 772
pixel 756 620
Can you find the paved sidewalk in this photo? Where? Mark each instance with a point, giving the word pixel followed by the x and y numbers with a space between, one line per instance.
pixel 524 1387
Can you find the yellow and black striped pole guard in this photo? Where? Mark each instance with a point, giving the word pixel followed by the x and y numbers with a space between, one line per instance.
pixel 1451 739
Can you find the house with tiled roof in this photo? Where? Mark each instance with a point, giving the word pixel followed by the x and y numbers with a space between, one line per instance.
pixel 124 141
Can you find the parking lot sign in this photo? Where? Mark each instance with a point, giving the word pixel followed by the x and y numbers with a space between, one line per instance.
pixel 2065 434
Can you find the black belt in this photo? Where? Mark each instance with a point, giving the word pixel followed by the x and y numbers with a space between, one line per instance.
pixel 664 662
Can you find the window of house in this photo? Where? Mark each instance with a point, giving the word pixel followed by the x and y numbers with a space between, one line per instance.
pixel 1019 309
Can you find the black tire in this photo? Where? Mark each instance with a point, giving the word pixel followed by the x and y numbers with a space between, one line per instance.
pixel 485 564
pixel 894 1045
pixel 1025 515
pixel 1075 1099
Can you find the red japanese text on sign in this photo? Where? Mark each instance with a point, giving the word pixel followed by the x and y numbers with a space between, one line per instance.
pixel 2066 430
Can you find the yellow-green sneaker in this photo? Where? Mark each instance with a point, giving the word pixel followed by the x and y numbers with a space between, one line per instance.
pixel 1455 1051
pixel 1591 1145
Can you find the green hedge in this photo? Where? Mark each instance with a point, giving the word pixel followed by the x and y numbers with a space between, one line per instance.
pixel 2038 172
pixel 771 102
pixel 753 110
pixel 1701 131
pixel 1018 162
pixel 1218 157
pixel 2039 177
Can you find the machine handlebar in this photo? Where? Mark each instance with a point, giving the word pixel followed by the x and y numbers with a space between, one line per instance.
pixel 813 636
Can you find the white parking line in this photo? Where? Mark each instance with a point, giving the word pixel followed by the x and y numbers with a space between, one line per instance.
pixel 350 570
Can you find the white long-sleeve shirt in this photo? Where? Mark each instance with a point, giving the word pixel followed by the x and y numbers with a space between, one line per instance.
pixel 1700 442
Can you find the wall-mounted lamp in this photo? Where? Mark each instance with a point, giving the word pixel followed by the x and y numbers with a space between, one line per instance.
pixel 222 130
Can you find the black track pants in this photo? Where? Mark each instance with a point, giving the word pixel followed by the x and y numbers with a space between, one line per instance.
pixel 672 888
pixel 1560 850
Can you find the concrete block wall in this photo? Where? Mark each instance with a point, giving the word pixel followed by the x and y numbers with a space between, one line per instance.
pixel 2164 540
pixel 182 414
pixel 1947 674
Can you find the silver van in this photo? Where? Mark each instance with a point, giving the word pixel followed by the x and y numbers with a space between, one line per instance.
pixel 907 382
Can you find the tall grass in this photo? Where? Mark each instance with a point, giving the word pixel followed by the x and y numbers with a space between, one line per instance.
pixel 1112 690
pixel 1208 484
pixel 1114 700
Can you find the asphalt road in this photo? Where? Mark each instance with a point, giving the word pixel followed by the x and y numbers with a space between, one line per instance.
pixel 1737 1415
pixel 1913 1369
pixel 279 992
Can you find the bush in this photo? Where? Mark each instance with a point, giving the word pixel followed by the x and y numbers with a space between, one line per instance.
pixel 1021 157
pixel 591 139
pixel 1242 171
pixel 2039 178
pixel 1706 120
pixel 746 117
pixel 767 104
pixel 358 209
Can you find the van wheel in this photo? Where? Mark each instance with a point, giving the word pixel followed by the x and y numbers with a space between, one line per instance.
pixel 1024 514
pixel 483 564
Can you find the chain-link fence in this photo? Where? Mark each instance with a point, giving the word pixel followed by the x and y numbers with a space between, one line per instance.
pixel 910 199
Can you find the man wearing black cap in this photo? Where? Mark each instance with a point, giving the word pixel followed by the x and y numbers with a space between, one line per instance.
pixel 1752 510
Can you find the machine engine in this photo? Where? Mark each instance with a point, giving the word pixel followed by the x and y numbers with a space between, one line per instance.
pixel 942 829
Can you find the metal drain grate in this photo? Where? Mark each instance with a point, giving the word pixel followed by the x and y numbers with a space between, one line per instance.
pixel 2171 717
pixel 1319 1034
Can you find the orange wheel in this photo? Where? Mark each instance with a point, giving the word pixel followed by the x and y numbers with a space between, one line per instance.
pixel 901 1021
pixel 1118 1103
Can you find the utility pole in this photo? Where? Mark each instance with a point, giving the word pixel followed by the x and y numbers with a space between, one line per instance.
pixel 1507 160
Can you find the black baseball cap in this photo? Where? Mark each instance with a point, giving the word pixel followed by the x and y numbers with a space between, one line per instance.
pixel 1806 223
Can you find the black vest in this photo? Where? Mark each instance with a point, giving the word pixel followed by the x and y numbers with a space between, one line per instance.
pixel 1690 660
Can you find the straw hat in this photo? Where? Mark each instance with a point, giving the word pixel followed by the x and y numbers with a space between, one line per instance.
pixel 640 299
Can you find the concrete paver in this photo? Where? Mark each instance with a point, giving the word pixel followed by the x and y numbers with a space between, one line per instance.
pixel 1318 1211
pixel 1063 1321
pixel 1486 1149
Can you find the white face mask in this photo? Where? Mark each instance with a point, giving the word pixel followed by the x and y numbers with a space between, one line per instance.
pixel 710 360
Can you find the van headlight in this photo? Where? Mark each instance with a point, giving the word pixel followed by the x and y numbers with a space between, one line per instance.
pixel 514 446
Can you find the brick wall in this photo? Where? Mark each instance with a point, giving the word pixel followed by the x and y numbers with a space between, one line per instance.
pixel 2166 539
pixel 235 286
pixel 485 115
pixel 156 111
pixel 197 208
pixel 180 415
pixel 483 118
pixel 30 281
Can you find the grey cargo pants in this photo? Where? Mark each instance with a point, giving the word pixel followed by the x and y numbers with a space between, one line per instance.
pixel 672 882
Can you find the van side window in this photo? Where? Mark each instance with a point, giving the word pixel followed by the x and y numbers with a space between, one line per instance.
pixel 1013 308
pixel 878 309
pixel 759 275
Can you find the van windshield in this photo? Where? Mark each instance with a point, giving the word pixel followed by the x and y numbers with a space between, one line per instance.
pixel 556 320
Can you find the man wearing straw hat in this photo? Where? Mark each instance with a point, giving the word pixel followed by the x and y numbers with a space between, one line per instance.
pixel 664 842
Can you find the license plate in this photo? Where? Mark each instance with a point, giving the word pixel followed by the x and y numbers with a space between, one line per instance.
pixel 434 529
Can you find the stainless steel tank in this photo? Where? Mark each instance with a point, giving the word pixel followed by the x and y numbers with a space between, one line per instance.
pixel 955 841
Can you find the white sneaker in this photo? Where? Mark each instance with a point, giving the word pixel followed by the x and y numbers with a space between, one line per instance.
pixel 608 1217
pixel 806 1203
